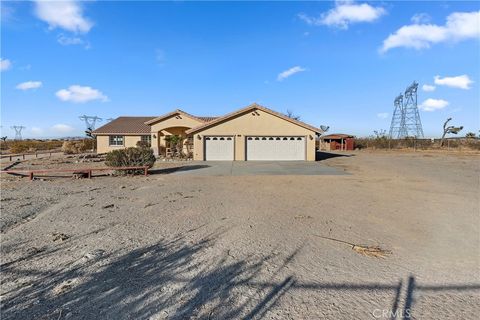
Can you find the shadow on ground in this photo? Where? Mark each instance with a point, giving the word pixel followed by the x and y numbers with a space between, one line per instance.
pixel 175 169
pixel 322 155
pixel 172 279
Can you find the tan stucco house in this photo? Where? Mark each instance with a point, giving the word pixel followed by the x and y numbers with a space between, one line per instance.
pixel 251 133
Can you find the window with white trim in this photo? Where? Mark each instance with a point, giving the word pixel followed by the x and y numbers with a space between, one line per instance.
pixel 146 139
pixel 115 140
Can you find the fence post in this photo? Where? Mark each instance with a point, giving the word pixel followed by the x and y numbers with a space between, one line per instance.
pixel 23 155
pixel 10 158
pixel 30 175
pixel 146 171
pixel 89 174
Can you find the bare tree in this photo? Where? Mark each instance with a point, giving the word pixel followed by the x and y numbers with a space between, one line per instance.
pixel 291 115
pixel 449 129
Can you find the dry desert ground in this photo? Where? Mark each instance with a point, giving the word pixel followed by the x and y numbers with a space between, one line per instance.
pixel 186 246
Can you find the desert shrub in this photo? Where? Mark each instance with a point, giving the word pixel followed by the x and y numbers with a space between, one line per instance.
pixel 74 147
pixel 130 157
pixel 23 146
pixel 143 144
pixel 19 147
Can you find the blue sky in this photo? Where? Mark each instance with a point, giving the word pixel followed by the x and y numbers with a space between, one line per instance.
pixel 333 63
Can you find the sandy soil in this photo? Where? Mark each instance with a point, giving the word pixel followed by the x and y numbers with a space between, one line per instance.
pixel 197 247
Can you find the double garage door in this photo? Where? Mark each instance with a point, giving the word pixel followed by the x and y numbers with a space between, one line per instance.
pixel 281 148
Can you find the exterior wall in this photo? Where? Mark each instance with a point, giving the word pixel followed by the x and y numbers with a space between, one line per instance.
pixel 253 123
pixel 176 124
pixel 104 147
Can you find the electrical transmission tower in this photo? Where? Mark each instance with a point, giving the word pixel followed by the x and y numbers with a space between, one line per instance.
pixel 406 118
pixel 90 121
pixel 18 132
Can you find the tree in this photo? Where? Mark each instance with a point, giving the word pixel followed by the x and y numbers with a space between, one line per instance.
pixel 470 135
pixel 4 138
pixel 175 144
pixel 382 133
pixel 449 129
pixel 291 115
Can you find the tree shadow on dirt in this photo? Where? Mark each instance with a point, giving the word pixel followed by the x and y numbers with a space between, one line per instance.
pixel 171 279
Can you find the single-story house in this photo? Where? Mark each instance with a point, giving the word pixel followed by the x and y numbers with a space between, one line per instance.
pixel 337 141
pixel 251 133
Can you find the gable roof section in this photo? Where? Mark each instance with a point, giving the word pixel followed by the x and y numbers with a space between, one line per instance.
pixel 178 111
pixel 337 136
pixel 125 125
pixel 249 108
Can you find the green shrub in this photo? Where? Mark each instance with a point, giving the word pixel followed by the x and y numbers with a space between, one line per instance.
pixel 130 157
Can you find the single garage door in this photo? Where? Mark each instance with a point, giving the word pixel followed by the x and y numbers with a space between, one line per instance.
pixel 276 148
pixel 219 148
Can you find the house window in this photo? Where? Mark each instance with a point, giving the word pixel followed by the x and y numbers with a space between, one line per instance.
pixel 147 140
pixel 115 140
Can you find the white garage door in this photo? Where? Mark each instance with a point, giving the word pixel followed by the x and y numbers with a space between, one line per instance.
pixel 218 148
pixel 276 148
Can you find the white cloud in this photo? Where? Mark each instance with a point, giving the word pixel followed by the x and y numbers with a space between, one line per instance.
pixel 433 104
pixel 382 115
pixel 62 128
pixel 5 64
pixel 29 85
pixel 344 14
pixel 65 14
pixel 462 82
pixel 67 41
pixel 428 88
pixel 287 73
pixel 459 26
pixel 421 18
pixel 80 94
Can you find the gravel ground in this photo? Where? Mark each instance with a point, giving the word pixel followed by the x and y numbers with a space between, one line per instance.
pixel 228 247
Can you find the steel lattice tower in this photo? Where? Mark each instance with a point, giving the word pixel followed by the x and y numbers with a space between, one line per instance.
pixel 406 118
pixel 18 132
pixel 90 121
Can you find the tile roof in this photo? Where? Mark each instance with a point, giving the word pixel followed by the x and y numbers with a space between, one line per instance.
pixel 178 111
pixel 126 125
pixel 207 119
pixel 250 108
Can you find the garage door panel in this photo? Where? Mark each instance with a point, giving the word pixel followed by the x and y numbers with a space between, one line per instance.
pixel 219 148
pixel 284 148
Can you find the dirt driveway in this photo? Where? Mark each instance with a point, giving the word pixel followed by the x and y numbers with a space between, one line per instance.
pixel 172 246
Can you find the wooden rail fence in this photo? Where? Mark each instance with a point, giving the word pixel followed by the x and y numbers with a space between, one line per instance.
pixel 87 171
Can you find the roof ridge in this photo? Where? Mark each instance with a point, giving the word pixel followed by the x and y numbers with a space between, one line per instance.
pixel 246 109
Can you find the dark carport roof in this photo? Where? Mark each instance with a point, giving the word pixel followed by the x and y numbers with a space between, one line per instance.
pixel 126 125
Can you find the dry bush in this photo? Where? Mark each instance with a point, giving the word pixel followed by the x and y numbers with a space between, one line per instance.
pixel 24 146
pixel 130 157
pixel 74 147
